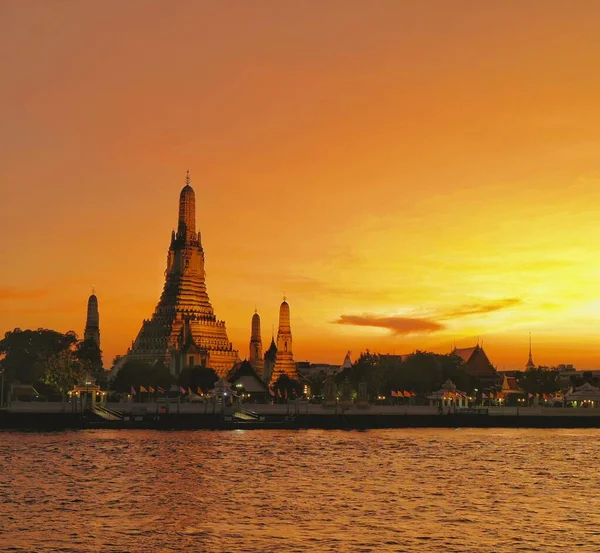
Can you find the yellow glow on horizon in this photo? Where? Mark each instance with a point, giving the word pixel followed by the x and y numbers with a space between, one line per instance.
pixel 447 173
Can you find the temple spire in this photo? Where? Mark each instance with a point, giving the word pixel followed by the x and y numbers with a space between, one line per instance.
pixel 186 227
pixel 530 363
pixel 284 360
pixel 92 323
pixel 256 350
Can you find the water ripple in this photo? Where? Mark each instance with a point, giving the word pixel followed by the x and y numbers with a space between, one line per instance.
pixel 327 491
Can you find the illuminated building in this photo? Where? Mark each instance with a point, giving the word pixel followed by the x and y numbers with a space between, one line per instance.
pixel 284 360
pixel 184 331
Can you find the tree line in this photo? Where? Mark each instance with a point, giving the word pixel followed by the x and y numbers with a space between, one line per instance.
pixel 55 362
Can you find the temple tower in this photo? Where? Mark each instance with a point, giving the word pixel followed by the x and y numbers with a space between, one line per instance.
pixel 256 351
pixel 92 323
pixel 184 331
pixel 530 364
pixel 284 360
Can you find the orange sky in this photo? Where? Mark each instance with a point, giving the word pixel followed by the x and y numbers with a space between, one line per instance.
pixel 423 172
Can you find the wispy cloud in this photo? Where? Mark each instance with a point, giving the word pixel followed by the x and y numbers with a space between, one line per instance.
pixel 479 308
pixel 397 325
pixel 13 293
pixel 419 324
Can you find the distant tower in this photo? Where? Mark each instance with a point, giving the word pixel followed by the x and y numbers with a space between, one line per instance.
pixel 92 324
pixel 284 361
pixel 530 363
pixel 256 351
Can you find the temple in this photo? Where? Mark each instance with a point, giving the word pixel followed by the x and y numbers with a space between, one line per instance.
pixel 477 364
pixel 184 331
pixel 256 351
pixel 284 360
pixel 92 323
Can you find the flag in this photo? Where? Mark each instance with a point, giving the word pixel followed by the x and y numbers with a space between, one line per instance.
pixel 200 392
pixel 278 392
pixel 142 389
pixel 406 394
pixel 484 396
pixel 189 390
pixel 160 390
pixel 132 391
pixel 394 394
pixel 529 396
pixel 182 389
pixel 271 392
pixel 491 395
pixel 286 394
pixel 413 394
pixel 151 389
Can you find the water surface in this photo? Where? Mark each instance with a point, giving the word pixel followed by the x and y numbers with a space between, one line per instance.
pixel 327 491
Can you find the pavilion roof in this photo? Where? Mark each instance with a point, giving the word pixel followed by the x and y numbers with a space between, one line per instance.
pixel 587 391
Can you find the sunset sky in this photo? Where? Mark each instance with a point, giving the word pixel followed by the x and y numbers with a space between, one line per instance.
pixel 409 173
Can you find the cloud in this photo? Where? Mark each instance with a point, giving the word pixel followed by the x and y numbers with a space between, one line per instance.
pixel 479 308
pixel 12 293
pixel 397 325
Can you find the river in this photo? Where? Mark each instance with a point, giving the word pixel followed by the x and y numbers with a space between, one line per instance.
pixel 467 490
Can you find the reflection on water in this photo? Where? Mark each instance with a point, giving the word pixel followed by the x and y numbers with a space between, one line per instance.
pixel 384 490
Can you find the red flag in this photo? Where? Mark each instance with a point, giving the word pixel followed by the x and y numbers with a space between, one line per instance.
pixel 151 389
pixel 182 389
pixel 394 394
pixel 271 392
pixel 406 394
pixel 413 394
pixel 529 396
pixel 132 391
pixel 200 392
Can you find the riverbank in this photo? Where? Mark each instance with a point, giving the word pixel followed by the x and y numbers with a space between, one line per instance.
pixel 51 417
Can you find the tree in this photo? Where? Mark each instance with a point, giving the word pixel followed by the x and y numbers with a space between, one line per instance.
pixel 316 383
pixel 64 370
pixel 422 372
pixel 367 368
pixel 26 352
pixel 88 350
pixel 140 373
pixel 287 388
pixel 198 377
pixel 539 380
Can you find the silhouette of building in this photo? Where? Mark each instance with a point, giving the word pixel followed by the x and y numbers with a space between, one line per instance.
pixel 184 331
pixel 477 364
pixel 269 360
pixel 530 364
pixel 284 360
pixel 256 351
pixel 92 323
